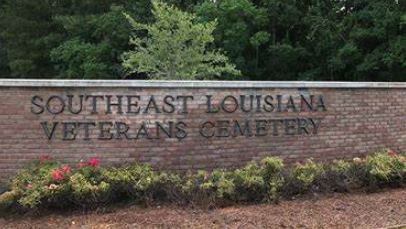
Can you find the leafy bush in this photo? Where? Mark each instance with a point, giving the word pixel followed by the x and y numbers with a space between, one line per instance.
pixel 249 183
pixel 130 182
pixel 167 187
pixel 218 182
pixel 40 183
pixel 46 183
pixel 306 174
pixel 272 168
pixel 86 190
pixel 385 168
pixel 8 199
pixel 208 189
pixel 337 176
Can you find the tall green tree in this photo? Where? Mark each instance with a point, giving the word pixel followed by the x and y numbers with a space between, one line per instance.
pixel 266 39
pixel 240 32
pixel 175 47
pixel 4 70
pixel 93 45
pixel 322 37
pixel 29 33
pixel 67 38
pixel 96 36
pixel 373 45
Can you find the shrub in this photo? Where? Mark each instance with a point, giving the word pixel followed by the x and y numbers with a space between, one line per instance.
pixel 46 183
pixel 132 182
pixel 8 199
pixel 209 189
pixel 271 168
pixel 42 182
pixel 87 191
pixel 385 168
pixel 220 183
pixel 167 187
pixel 249 183
pixel 307 173
pixel 339 176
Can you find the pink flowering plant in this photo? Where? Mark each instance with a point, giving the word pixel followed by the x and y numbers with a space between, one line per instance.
pixel 47 182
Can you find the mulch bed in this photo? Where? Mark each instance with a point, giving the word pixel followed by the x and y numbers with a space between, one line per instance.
pixel 377 210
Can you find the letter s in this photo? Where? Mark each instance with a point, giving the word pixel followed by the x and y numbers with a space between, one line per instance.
pixel 180 130
pixel 34 100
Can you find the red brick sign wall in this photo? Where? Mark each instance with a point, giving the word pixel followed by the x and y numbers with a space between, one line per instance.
pixel 190 126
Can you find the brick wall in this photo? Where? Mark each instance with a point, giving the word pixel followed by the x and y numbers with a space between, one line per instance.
pixel 338 122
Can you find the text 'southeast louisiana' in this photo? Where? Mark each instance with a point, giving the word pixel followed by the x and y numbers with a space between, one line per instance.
pixel 139 105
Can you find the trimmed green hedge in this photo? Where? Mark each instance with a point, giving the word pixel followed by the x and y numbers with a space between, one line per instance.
pixel 50 184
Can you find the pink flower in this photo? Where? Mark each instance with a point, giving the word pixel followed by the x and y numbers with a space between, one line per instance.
pixel 57 175
pixel 29 186
pixel 391 153
pixel 66 169
pixel 93 162
pixel 81 164
pixel 43 158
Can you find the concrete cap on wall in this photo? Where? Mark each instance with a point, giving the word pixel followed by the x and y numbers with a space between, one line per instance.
pixel 195 84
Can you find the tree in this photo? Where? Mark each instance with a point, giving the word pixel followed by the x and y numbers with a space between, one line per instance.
pixel 240 32
pixel 4 70
pixel 375 40
pixel 66 38
pixel 94 44
pixel 322 37
pixel 96 35
pixel 29 33
pixel 175 47
pixel 265 39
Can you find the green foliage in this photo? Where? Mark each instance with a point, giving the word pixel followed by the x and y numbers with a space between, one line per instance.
pixel 371 28
pixel 86 190
pixel 78 59
pixel 343 176
pixel 82 39
pixel 249 183
pixel 287 61
pixel 167 187
pixel 33 185
pixel 385 168
pixel 96 41
pixel 340 166
pixel 8 199
pixel 130 182
pixel 240 32
pixel 46 183
pixel 271 169
pixel 206 189
pixel 218 182
pixel 29 34
pixel 4 69
pixel 176 47
pixel 307 173
pixel 265 39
